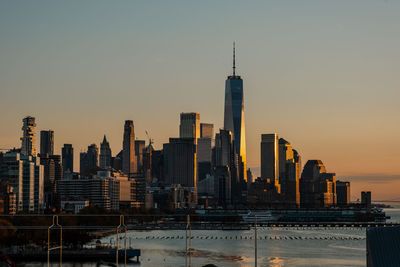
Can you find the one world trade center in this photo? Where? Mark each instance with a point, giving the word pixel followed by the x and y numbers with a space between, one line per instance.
pixel 234 116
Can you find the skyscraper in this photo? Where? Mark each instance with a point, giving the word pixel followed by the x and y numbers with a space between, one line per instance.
pixel 28 137
pixel 286 164
pixel 226 171
pixel 289 173
pixel 25 175
pixel 52 172
pixel 204 149
pixel 343 193
pixel 234 115
pixel 270 158
pixel 90 159
pixel 182 159
pixel 68 158
pixel 317 187
pixel 190 125
pixel 204 143
pixel 206 130
pixel 139 147
pixel 129 164
pixel 105 154
pixel 47 142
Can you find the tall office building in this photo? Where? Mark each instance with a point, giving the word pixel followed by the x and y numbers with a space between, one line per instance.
pixel 309 178
pixel 343 193
pixel 182 159
pixel 25 175
pixel 52 172
pixel 204 150
pixel 190 125
pixel 224 148
pixel 226 166
pixel 47 142
pixel 90 159
pixel 296 188
pixel 234 115
pixel 28 137
pixel 67 158
pixel 317 187
pixel 139 147
pixel 204 143
pixel 206 130
pixel 289 173
pixel 129 162
pixel 105 154
pixel 270 158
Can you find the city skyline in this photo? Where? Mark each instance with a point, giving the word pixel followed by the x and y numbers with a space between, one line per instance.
pixel 340 101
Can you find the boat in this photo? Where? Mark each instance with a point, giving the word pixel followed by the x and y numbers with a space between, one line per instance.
pixel 260 216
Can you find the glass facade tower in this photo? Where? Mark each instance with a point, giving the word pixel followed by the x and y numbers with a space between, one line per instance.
pixel 234 116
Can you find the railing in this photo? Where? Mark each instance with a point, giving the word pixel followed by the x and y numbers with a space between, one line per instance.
pixel 119 225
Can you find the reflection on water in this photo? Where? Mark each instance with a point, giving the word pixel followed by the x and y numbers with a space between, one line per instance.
pixel 276 247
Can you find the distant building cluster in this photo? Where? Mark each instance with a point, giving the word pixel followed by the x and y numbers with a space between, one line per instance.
pixel 198 169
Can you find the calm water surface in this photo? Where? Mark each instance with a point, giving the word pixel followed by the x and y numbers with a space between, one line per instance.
pixel 276 247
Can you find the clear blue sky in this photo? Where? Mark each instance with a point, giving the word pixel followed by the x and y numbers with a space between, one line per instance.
pixel 322 74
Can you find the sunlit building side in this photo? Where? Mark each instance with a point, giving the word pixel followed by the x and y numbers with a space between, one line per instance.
pixel 234 116
pixel 28 136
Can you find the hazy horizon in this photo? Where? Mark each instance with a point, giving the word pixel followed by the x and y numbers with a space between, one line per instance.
pixel 324 76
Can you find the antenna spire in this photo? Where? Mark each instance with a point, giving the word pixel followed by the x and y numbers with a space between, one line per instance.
pixel 234 66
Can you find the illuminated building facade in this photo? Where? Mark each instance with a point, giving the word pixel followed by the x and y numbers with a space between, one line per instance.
pixel 190 125
pixel 234 116
pixel 28 137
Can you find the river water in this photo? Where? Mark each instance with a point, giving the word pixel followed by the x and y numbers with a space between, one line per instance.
pixel 276 247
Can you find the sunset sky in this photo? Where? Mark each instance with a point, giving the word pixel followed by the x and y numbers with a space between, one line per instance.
pixel 324 75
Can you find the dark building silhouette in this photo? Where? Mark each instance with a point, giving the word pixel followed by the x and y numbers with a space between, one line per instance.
pixel 105 154
pixel 262 193
pixel 158 165
pixel 223 186
pixel 52 172
pixel 89 160
pixel 317 187
pixel 343 193
pixel 270 159
pixel 139 148
pixel 129 161
pixel 289 173
pixel 182 159
pixel 366 199
pixel 117 161
pixel 67 158
pixel 47 142
pixel 203 168
pixel 225 156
